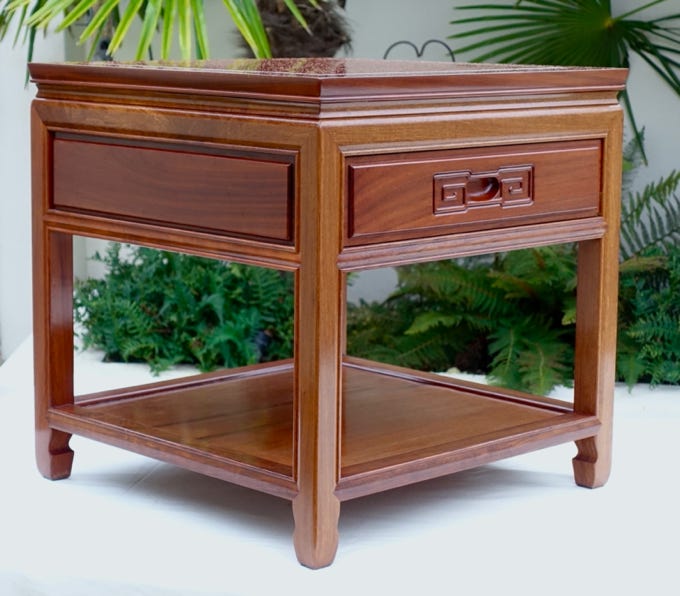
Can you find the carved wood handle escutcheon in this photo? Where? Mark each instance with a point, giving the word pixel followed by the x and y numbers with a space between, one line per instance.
pixel 458 192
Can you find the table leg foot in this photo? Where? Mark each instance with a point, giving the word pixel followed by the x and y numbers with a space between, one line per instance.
pixel 53 454
pixel 316 532
pixel 592 464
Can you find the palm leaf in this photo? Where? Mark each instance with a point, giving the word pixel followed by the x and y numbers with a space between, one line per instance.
pixel 163 15
pixel 169 18
pixel 43 16
pixel 200 29
pixel 99 19
pixel 574 33
pixel 24 9
pixel 152 14
pixel 247 19
pixel 76 13
pixel 123 27
pixel 184 24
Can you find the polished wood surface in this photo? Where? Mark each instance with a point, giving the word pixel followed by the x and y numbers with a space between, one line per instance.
pixel 147 182
pixel 417 194
pixel 384 409
pixel 321 167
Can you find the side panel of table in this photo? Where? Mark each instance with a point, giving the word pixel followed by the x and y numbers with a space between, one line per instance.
pixel 596 231
pixel 69 141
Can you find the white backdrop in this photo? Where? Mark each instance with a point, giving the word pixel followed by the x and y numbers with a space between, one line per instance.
pixel 15 225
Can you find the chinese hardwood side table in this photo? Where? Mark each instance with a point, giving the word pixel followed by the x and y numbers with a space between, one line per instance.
pixel 321 167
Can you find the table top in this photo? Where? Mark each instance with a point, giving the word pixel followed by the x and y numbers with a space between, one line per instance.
pixel 330 79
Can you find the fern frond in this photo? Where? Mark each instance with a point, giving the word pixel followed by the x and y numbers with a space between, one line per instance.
pixel 165 308
pixel 452 284
pixel 430 320
pixel 651 217
pixel 531 355
pixel 649 319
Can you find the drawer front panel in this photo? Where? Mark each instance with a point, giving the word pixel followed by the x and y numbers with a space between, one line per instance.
pixel 245 194
pixel 429 193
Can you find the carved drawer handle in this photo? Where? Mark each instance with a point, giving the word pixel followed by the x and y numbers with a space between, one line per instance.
pixel 457 192
pixel 482 188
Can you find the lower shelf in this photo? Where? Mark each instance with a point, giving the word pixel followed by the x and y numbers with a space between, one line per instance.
pixel 398 426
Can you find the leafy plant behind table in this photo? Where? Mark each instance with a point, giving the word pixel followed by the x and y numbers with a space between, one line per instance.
pixel 165 308
pixel 649 288
pixel 586 33
pixel 171 18
pixel 510 318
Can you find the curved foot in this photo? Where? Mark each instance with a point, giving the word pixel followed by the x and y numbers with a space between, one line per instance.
pixel 53 454
pixel 592 464
pixel 316 532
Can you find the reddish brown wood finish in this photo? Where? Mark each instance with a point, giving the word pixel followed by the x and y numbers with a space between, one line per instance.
pixel 249 426
pixel 322 167
pixel 419 194
pixel 170 182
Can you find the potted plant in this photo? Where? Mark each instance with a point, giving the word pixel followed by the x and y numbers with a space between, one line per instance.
pixel 184 17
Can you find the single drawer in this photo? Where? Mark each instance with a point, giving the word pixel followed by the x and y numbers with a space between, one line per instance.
pixel 431 193
pixel 247 193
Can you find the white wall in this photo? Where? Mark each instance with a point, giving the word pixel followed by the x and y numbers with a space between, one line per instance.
pixel 656 107
pixel 15 227
pixel 375 24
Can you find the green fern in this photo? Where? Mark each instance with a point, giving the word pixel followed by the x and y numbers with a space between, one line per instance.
pixel 531 355
pixel 651 217
pixel 378 331
pixel 166 308
pixel 649 309
pixel 649 319
pixel 478 315
pixel 452 282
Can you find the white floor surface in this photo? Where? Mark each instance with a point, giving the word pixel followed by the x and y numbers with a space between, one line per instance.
pixel 123 524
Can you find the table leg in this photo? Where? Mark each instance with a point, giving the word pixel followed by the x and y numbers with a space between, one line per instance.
pixel 53 347
pixel 319 333
pixel 316 509
pixel 595 360
pixel 316 512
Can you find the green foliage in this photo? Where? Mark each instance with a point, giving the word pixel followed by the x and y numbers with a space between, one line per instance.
pixel 649 330
pixel 574 33
pixel 187 17
pixel 651 218
pixel 531 355
pixel 166 308
pixel 510 317
pixel 649 289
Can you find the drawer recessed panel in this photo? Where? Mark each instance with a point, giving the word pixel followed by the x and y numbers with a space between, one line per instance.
pixel 429 193
pixel 241 193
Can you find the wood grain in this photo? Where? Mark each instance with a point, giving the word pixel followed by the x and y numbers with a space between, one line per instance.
pixel 247 421
pixel 396 197
pixel 175 184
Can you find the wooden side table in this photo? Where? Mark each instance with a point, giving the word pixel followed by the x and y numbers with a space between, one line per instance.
pixel 322 167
